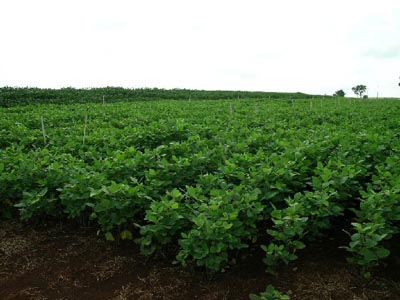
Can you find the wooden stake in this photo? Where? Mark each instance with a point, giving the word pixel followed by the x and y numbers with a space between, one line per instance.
pixel 84 128
pixel 43 131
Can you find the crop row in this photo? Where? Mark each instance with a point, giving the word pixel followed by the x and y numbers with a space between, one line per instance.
pixel 10 96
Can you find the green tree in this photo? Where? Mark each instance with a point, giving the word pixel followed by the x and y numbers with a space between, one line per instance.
pixel 339 93
pixel 359 90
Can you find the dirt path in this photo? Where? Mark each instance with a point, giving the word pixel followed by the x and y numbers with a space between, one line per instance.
pixel 70 263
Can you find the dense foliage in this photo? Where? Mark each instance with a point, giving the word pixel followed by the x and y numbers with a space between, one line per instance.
pixel 203 180
pixel 10 96
pixel 339 93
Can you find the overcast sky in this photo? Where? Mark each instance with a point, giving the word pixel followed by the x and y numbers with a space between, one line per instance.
pixel 308 46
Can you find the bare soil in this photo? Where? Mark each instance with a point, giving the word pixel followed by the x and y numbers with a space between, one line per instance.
pixel 66 262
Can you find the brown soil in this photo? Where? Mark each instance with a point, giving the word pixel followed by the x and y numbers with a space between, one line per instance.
pixel 70 263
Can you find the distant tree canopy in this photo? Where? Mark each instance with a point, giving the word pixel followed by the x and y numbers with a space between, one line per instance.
pixel 359 90
pixel 339 93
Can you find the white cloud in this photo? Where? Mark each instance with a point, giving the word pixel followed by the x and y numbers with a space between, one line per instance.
pixel 310 46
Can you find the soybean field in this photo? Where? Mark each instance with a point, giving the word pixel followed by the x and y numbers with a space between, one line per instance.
pixel 203 182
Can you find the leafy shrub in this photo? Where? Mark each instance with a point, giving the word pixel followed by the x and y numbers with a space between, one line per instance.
pixel 270 293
